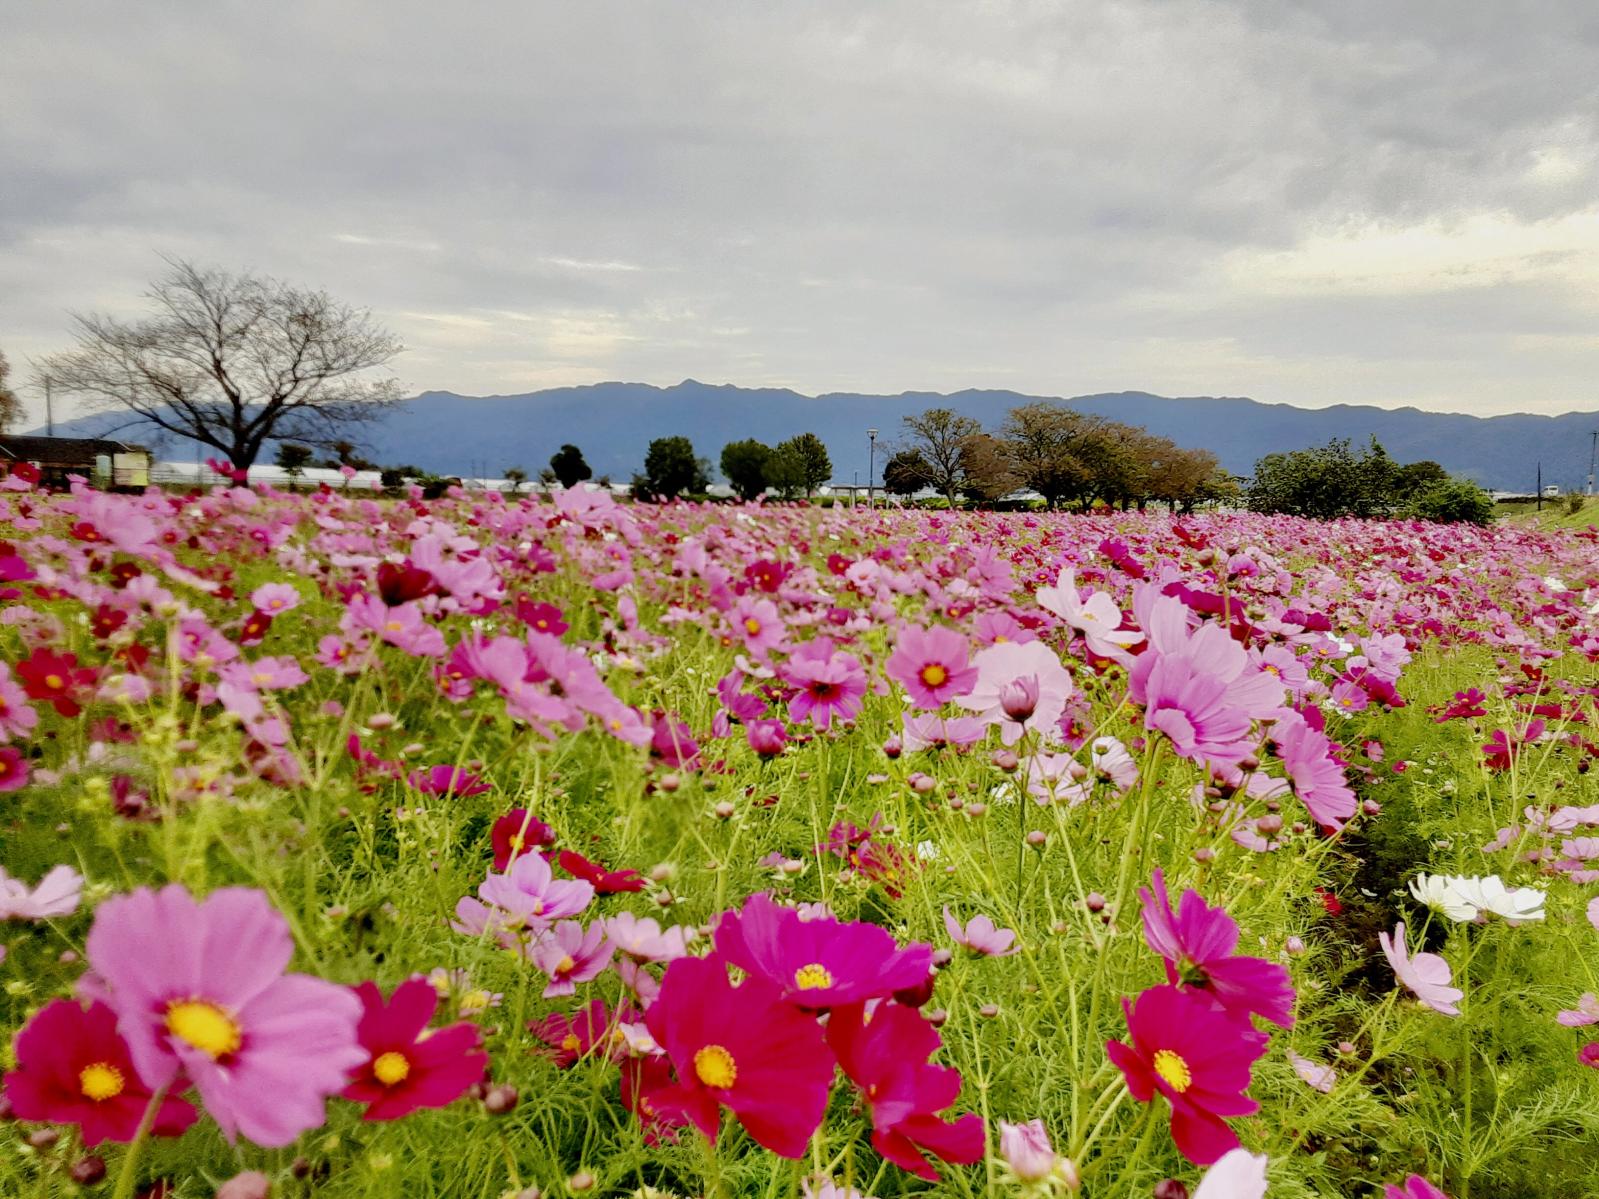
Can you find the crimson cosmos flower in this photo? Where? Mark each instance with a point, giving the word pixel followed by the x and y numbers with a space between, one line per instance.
pixel 604 882
pixel 740 1047
pixel 514 833
pixel 73 1068
pixel 410 1067
pixel 1199 1057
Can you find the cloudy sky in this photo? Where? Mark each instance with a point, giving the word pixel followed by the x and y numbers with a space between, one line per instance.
pixel 1303 202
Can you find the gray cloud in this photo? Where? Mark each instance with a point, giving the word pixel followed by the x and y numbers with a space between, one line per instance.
pixel 1346 200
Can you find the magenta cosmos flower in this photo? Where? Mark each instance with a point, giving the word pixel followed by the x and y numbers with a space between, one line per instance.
pixel 1317 777
pixel 1199 1057
pixel 932 665
pixel 409 1067
pixel 1198 943
pixel 828 684
pixel 1426 974
pixel 1416 1187
pixel 743 1048
pixel 819 963
pixel 199 990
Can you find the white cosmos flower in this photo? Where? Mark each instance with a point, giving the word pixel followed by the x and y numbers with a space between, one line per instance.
pixel 1462 898
pixel 1237 1174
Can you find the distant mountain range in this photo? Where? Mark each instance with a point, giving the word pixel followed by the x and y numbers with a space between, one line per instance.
pixel 613 423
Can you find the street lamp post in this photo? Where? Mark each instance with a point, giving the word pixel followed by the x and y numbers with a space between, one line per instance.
pixel 1593 450
pixel 871 467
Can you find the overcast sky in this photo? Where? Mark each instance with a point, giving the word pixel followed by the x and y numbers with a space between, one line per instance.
pixel 1366 201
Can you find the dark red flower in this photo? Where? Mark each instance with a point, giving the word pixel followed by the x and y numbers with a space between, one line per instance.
pixel 58 678
pixel 402 584
pixel 255 628
pixel 540 617
pixel 411 1068
pixel 73 1068
pixel 573 1037
pixel 516 832
pixel 605 882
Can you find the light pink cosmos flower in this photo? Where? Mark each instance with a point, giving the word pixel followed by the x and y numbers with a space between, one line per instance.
pixel 1586 1012
pixel 1111 761
pixel 402 626
pixel 929 730
pixel 530 893
pixel 1426 974
pixel 758 623
pixel 641 938
pixel 17 715
pixel 981 936
pixel 1237 1174
pixel 1027 1150
pixel 571 955
pixel 57 894
pixel 932 665
pixel 1313 1074
pixel 199 989
pixel 1020 687
pixel 1097 618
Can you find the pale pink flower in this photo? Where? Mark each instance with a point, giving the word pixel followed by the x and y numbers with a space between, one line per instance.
pixel 641 938
pixel 1237 1174
pixel 1426 974
pixel 1321 1078
pixel 1097 618
pixel 1586 1012
pixel 1020 687
pixel 981 936
pixel 571 955
pixel 57 894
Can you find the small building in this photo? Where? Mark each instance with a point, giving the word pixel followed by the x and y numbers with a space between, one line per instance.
pixel 111 464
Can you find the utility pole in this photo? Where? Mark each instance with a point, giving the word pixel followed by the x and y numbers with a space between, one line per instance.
pixel 1593 450
pixel 49 409
pixel 1540 487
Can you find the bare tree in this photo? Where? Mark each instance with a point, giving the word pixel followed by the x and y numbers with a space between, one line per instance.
pixel 232 360
pixel 940 435
pixel 10 406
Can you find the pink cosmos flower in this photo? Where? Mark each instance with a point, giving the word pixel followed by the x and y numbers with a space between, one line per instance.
pixel 1020 687
pixel 818 963
pixel 641 938
pixel 1317 777
pixel 932 665
pixel 1196 1055
pixel 1588 1055
pixel 829 684
pixel 529 892
pixel 766 737
pixel 274 598
pixel 929 730
pixel 759 624
pixel 1097 618
pixel 1416 1187
pixel 571 955
pixel 571 1037
pixel 1426 974
pixel 199 990
pixel 57 894
pixel 14 769
pixel 981 936
pixel 450 782
pixel 1313 1074
pixel 1199 942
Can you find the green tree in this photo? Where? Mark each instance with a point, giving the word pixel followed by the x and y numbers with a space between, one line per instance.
pixel 989 473
pixel 670 470
pixel 1415 477
pixel 1451 501
pixel 568 466
pixel 906 473
pixel 812 464
pixel 1046 443
pixel 293 459
pixel 744 466
pixel 939 436
pixel 1325 482
pixel 515 476
pixel 785 470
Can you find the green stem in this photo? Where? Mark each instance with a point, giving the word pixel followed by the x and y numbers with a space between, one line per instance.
pixel 130 1161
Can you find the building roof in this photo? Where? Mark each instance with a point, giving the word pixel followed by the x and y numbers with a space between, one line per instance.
pixel 59 451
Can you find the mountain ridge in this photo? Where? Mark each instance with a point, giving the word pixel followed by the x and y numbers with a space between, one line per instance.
pixel 613 423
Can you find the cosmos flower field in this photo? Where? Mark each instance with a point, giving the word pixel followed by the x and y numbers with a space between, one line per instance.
pixel 489 846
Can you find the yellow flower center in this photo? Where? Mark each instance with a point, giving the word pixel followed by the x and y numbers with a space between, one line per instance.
pixel 391 1068
pixel 934 675
pixel 394 626
pixel 517 842
pixel 715 1067
pixel 752 626
pixel 814 977
pixel 566 965
pixel 1173 1070
pixel 54 681
pixel 100 1081
pixel 475 1001
pixel 205 1026
pixel 570 1043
